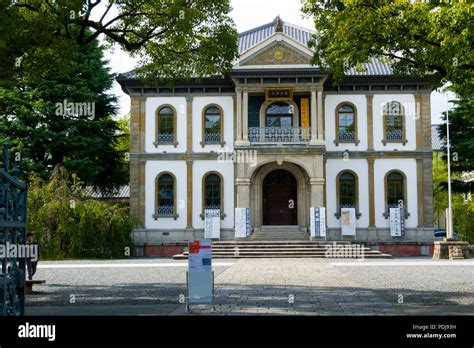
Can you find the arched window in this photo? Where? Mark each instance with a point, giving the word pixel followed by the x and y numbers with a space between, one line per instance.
pixel 395 189
pixel 347 192
pixel 346 124
pixel 279 115
pixel 213 192
pixel 394 123
pixel 165 126
pixel 165 199
pixel 213 126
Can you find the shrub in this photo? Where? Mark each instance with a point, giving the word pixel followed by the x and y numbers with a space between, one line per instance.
pixel 68 225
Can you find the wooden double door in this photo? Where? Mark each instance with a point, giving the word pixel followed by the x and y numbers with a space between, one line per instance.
pixel 279 198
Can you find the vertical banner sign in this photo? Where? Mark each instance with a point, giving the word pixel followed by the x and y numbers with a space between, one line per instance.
pixel 242 222
pixel 397 222
pixel 212 223
pixel 200 289
pixel 305 132
pixel 318 221
pixel 348 222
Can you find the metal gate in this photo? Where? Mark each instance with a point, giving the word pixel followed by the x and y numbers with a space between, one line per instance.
pixel 13 203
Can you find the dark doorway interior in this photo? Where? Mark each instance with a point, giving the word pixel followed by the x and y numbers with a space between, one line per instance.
pixel 279 198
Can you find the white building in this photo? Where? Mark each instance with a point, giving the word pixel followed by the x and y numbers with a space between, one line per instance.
pixel 274 135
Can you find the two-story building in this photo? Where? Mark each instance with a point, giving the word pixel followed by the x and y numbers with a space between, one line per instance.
pixel 276 136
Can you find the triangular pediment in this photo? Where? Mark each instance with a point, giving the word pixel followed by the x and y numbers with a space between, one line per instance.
pixel 277 50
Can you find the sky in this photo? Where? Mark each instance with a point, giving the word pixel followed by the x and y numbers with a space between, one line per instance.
pixel 248 14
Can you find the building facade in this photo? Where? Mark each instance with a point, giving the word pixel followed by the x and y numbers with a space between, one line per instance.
pixel 276 136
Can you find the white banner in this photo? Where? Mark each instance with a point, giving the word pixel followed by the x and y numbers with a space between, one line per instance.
pixel 348 221
pixel 318 221
pixel 397 222
pixel 212 223
pixel 242 222
pixel 200 282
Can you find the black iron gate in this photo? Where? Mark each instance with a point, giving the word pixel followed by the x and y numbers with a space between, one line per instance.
pixel 13 203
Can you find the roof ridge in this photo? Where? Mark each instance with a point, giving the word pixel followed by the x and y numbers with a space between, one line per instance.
pixel 310 31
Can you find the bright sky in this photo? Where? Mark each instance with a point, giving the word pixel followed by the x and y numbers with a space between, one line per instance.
pixel 248 14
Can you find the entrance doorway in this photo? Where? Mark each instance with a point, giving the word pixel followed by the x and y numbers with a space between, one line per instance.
pixel 279 198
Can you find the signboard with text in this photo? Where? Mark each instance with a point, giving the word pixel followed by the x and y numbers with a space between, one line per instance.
pixel 318 221
pixel 348 221
pixel 242 222
pixel 200 283
pixel 397 222
pixel 212 223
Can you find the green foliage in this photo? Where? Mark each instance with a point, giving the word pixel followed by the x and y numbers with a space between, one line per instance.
pixel 418 37
pixel 461 128
pixel 463 211
pixel 178 38
pixel 68 225
pixel 44 135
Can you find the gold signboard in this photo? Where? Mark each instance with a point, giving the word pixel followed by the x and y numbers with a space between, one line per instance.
pixel 279 94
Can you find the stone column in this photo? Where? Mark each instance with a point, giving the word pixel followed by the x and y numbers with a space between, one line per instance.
pixel 243 192
pixel 320 117
pixel 238 116
pixel 370 121
pixel 317 192
pixel 314 125
pixel 245 118
pixel 370 162
pixel 189 194
pixel 189 124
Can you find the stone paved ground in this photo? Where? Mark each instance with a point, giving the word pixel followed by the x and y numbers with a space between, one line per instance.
pixel 291 286
pixel 259 286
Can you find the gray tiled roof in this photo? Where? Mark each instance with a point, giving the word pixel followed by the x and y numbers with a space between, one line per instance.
pixel 436 142
pixel 253 37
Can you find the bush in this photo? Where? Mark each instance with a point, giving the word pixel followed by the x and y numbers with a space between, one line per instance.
pixel 67 225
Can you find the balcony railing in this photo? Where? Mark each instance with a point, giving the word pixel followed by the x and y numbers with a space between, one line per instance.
pixel 279 134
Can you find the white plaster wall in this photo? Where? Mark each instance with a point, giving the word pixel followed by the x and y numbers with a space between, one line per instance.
pixel 333 168
pixel 408 101
pixel 408 167
pixel 226 170
pixel 227 105
pixel 152 104
pixel 331 102
pixel 178 169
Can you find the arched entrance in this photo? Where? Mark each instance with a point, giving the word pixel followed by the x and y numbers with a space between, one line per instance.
pixel 280 198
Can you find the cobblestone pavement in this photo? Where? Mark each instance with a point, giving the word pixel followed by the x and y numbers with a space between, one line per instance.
pixel 291 286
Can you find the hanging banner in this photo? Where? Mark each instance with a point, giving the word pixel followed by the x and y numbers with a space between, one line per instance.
pixel 305 131
pixel 318 221
pixel 397 222
pixel 348 221
pixel 212 223
pixel 242 222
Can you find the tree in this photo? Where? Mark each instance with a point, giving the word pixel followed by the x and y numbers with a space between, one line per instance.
pixel 66 119
pixel 174 38
pixel 418 37
pixel 463 210
pixel 461 127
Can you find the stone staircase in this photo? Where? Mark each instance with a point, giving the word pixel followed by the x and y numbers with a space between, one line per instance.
pixel 283 233
pixel 288 249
